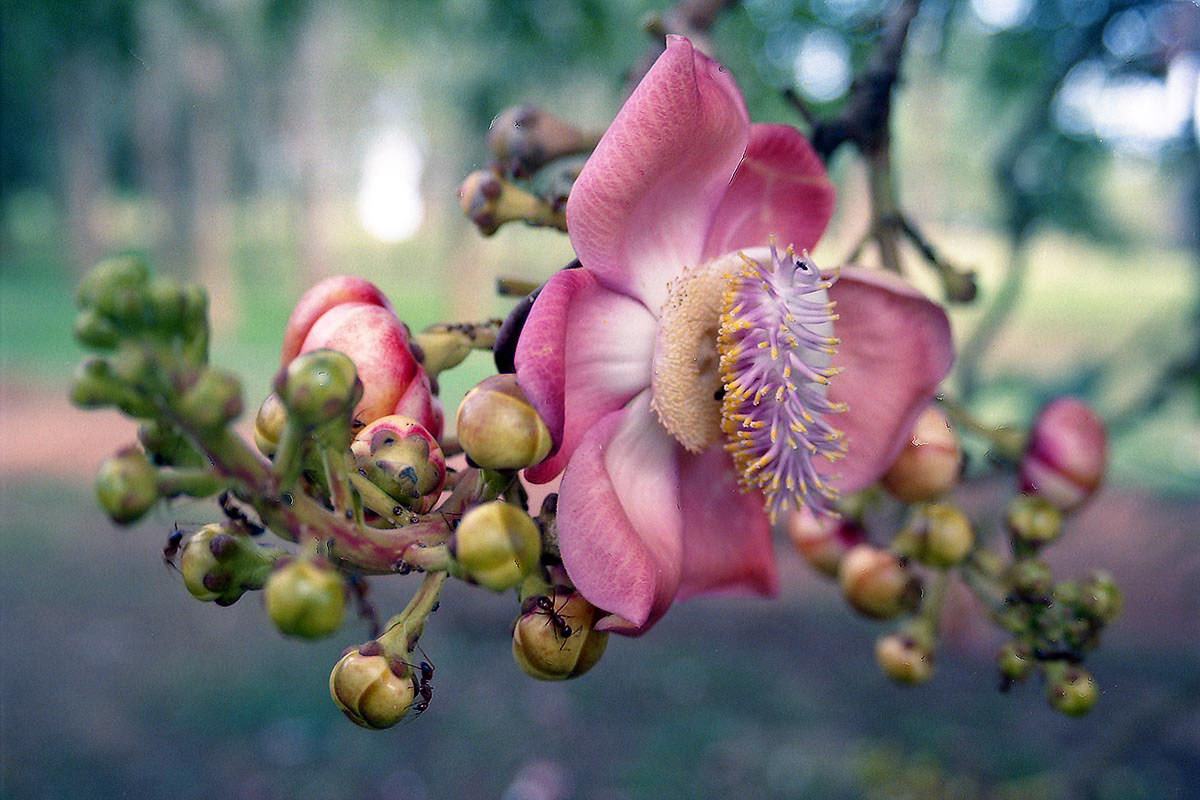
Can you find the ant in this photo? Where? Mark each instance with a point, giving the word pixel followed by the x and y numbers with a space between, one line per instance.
pixel 174 540
pixel 554 617
pixel 237 516
pixel 424 682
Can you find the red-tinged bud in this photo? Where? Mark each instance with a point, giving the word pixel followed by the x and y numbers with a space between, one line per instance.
pixel 318 386
pixel 498 428
pixel 419 403
pixel 931 462
pixel 490 201
pixel 496 545
pixel 1015 660
pixel 320 298
pixel 1033 520
pixel 401 457
pixel 525 138
pixel 936 534
pixel 554 638
pixel 1070 689
pixel 1065 459
pixel 127 486
pixel 822 540
pixel 269 424
pixel 904 658
pixel 377 342
pixel 369 692
pixel 305 599
pixel 876 583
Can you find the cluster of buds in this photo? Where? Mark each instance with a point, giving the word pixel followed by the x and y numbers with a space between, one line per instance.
pixel 1052 624
pixel 351 469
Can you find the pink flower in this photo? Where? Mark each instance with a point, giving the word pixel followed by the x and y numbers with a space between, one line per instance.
pixel 668 351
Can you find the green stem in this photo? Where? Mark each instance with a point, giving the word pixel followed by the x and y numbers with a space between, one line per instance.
pixel 192 481
pixel 404 630
pixel 333 462
pixel 885 210
pixel 1006 443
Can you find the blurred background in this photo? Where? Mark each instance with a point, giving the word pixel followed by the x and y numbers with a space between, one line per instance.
pixel 257 146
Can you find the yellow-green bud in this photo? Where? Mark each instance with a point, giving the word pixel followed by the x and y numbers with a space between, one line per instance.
pixel 497 544
pixel 1100 599
pixel 937 534
pixel 213 400
pixel 93 329
pixel 367 691
pixel 269 424
pixel 304 599
pixel 1015 660
pixel 167 303
pixel 219 566
pixel 499 429
pixel 1033 520
pixel 318 386
pixel 1031 579
pixel 555 638
pixel 116 288
pixel 442 349
pixel 875 583
pixel 1071 690
pixel 904 659
pixel 127 486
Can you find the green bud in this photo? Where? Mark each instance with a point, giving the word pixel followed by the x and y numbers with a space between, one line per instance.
pixel 269 424
pixel 496 545
pixel 1071 690
pixel 93 329
pixel 214 400
pixel 369 692
pixel 498 428
pixel 1031 579
pixel 555 637
pixel 168 304
pixel 937 534
pixel 1100 599
pixel 131 364
pixel 319 386
pixel 116 288
pixel 442 349
pixel 166 445
pixel 126 486
pixel 904 658
pixel 304 599
pixel 1033 520
pixel 875 583
pixel 194 326
pixel 219 565
pixel 1015 660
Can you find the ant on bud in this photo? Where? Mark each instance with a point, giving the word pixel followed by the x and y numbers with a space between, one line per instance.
pixel 545 605
pixel 424 682
pixel 174 542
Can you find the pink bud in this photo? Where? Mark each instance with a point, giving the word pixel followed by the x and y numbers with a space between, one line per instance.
pixel 402 457
pixel 319 299
pixel 419 402
pixel 929 465
pixel 377 342
pixel 1065 458
pixel 822 540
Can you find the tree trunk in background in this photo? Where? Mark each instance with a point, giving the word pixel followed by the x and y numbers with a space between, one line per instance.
pixel 82 94
pixel 210 148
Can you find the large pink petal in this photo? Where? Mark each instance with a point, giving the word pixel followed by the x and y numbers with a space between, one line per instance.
pixel 779 188
pixel 584 351
pixel 641 207
pixel 620 527
pixel 727 538
pixel 896 348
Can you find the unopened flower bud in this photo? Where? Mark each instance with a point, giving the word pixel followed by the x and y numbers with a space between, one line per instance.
pixel 442 349
pixel 524 138
pixel 876 583
pixel 401 457
pixel 1033 520
pixel 1071 689
pixel 498 428
pixel 269 424
pixel 1031 579
pixel 555 639
pixel 904 658
pixel 220 566
pixel 931 462
pixel 489 201
pixel 822 540
pixel 937 534
pixel 1100 599
pixel 168 303
pixel 127 486
pixel 322 296
pixel 497 544
pixel 305 599
pixel 318 386
pixel 369 692
pixel 116 288
pixel 93 329
pixel 1065 459
pixel 214 400
pixel 1015 660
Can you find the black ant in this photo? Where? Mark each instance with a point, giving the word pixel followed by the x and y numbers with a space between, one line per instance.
pixel 237 516
pixel 554 617
pixel 424 683
pixel 174 540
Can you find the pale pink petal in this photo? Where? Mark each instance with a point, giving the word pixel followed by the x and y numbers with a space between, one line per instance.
pixel 620 526
pixel 584 351
pixel 896 348
pixel 641 207
pixel 726 535
pixel 779 189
